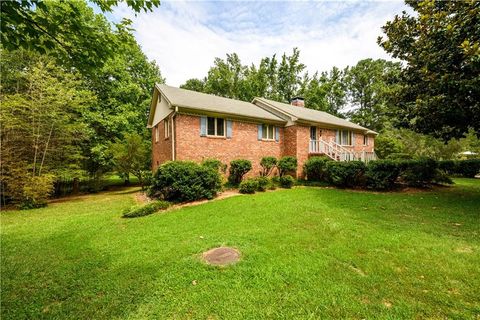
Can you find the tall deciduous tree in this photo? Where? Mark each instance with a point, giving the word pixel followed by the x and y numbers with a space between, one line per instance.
pixel 367 85
pixel 440 84
pixel 326 92
pixel 67 30
pixel 42 126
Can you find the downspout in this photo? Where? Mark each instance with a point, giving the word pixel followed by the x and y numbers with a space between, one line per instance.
pixel 173 133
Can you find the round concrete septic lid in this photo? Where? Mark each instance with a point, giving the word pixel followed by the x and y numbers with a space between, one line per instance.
pixel 221 256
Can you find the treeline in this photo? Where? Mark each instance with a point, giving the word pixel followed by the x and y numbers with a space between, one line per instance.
pixel 70 108
pixel 359 93
pixel 364 93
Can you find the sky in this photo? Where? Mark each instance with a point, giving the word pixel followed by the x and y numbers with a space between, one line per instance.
pixel 184 37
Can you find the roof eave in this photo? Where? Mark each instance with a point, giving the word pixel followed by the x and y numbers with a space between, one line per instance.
pixel 207 112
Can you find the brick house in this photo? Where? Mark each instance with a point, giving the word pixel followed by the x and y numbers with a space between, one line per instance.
pixel 188 125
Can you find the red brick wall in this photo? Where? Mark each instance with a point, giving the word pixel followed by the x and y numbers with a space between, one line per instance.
pixel 297 139
pixel 244 143
pixel 161 150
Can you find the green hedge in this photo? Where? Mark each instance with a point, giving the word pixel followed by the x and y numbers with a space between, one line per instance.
pixel 145 210
pixel 346 174
pixel 315 168
pixel 418 173
pixel 181 181
pixel 464 168
pixel 215 165
pixel 382 174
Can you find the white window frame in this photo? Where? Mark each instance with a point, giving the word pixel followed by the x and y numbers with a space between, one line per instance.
pixel 216 129
pixel 156 133
pixel 365 140
pixel 166 127
pixel 265 131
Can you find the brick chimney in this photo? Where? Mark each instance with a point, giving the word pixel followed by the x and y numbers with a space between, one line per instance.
pixel 297 101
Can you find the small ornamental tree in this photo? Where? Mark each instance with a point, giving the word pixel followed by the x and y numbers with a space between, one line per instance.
pixel 268 164
pixel 287 164
pixel 238 168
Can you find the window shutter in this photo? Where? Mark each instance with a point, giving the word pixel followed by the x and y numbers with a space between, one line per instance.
pixel 277 134
pixel 203 126
pixel 337 137
pixel 229 129
pixel 259 132
pixel 353 138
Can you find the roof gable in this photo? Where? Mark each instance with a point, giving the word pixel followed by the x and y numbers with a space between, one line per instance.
pixel 309 115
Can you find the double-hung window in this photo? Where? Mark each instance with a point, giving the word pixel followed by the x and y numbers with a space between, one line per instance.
pixel 215 127
pixel 365 140
pixel 268 132
pixel 344 137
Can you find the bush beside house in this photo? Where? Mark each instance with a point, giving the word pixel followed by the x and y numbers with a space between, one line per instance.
pixel 346 174
pixel 286 165
pixel 181 181
pixel 315 168
pixel 238 168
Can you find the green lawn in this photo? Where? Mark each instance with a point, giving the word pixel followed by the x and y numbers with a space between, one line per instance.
pixel 306 253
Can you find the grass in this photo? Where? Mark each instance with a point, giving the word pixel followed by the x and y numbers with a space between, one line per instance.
pixel 306 253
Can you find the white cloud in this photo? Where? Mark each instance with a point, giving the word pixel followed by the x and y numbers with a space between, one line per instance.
pixel 185 37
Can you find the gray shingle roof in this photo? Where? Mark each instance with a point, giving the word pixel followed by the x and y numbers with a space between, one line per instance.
pixel 211 103
pixel 197 101
pixel 307 114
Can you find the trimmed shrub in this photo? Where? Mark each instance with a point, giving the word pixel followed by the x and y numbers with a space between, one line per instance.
pixel 263 183
pixel 248 186
pixel 286 165
pixel 145 210
pixel 215 164
pixel 382 174
pixel 419 173
pixel 399 156
pixel 467 168
pixel 267 163
pixel 287 181
pixel 185 181
pixel 238 168
pixel 274 182
pixel 315 168
pixel 346 174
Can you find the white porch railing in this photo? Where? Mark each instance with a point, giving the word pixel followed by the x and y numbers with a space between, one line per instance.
pixel 338 153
